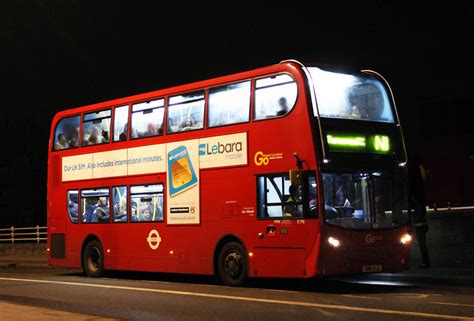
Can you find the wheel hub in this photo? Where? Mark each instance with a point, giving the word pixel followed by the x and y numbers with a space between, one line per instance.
pixel 95 259
pixel 233 265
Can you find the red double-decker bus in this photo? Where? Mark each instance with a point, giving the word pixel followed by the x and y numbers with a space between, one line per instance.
pixel 289 170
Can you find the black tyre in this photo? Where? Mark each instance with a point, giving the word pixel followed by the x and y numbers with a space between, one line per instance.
pixel 232 264
pixel 93 259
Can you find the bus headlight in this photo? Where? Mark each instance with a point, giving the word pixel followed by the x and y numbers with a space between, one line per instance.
pixel 334 242
pixel 406 238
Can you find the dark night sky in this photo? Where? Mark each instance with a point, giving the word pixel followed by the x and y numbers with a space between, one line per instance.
pixel 60 54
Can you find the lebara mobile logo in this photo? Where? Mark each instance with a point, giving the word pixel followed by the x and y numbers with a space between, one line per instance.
pixel 219 148
pixel 202 149
pixel 261 158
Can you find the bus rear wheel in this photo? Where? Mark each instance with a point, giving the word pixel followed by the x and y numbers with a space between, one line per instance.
pixel 232 264
pixel 93 259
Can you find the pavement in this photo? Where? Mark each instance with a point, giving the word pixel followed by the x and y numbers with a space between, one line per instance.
pixel 459 275
pixel 11 311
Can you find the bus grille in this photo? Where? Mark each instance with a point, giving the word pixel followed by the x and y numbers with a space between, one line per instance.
pixel 369 253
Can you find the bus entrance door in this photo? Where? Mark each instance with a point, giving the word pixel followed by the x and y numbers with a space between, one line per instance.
pixel 283 233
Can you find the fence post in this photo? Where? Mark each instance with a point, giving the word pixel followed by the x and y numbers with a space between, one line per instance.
pixel 13 234
pixel 37 234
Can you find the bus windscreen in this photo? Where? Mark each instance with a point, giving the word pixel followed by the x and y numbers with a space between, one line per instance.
pixel 347 96
pixel 365 200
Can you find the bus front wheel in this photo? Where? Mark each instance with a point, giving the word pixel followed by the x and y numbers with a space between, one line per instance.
pixel 93 259
pixel 232 264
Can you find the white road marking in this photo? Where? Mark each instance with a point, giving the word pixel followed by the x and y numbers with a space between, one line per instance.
pixel 250 299
pixel 455 304
pixel 412 295
pixel 361 297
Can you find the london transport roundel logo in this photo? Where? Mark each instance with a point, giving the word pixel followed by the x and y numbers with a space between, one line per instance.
pixel 153 239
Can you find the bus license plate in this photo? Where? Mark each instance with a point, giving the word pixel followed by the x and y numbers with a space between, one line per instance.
pixel 372 268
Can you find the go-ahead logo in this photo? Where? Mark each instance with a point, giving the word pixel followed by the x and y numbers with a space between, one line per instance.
pixel 371 239
pixel 261 158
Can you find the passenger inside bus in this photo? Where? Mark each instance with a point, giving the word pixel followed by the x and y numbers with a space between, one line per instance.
pixel 101 213
pixel 123 134
pixel 355 113
pixel 105 136
pixel 73 211
pixel 151 130
pixel 145 214
pixel 122 137
pixel 61 142
pixel 95 136
pixel 283 104
pixel 120 210
pixel 148 213
pixel 133 212
pixel 186 124
pixel 74 141
pixel 293 206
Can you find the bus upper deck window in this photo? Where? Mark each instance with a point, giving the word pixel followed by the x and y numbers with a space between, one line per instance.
pixel 96 128
pixel 351 96
pixel 66 134
pixel 147 118
pixel 186 112
pixel 121 124
pixel 229 104
pixel 274 96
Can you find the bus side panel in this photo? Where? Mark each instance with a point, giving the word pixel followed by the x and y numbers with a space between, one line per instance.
pixel 313 257
pixel 280 262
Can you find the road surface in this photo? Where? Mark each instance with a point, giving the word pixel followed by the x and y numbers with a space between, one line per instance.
pixel 151 296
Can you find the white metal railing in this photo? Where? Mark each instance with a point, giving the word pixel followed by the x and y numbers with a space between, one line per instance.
pixel 14 234
pixel 448 209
